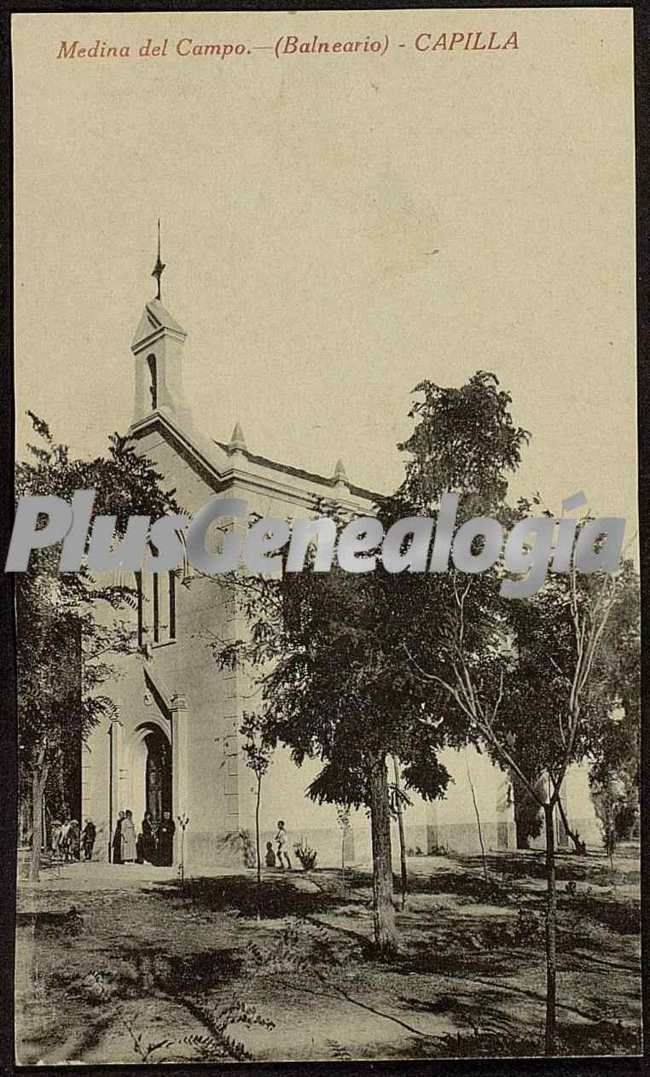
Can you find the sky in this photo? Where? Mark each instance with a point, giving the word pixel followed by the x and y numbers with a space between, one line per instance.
pixel 336 229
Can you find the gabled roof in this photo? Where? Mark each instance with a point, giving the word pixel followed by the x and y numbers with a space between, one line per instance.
pixel 154 317
pixel 300 473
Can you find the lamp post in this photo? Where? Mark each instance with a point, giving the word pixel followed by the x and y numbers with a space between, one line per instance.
pixel 183 821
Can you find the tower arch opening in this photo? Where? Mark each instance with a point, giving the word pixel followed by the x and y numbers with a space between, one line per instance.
pixel 153 380
pixel 151 772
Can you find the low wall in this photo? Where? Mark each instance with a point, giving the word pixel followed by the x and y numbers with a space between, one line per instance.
pixel 209 850
pixel 464 837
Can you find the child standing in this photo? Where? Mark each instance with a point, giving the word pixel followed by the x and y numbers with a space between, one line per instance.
pixel 270 855
pixel 282 842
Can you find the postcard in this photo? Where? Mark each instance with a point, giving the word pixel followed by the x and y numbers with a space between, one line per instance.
pixel 325 547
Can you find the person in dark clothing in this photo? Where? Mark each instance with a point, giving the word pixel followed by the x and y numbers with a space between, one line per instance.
pixel 148 838
pixel 166 832
pixel 117 839
pixel 270 855
pixel 88 839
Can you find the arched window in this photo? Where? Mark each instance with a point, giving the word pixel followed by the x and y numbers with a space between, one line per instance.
pixel 156 608
pixel 153 384
pixel 172 604
pixel 157 605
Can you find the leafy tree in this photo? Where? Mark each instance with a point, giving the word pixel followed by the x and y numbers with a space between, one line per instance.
pixel 64 649
pixel 529 821
pixel 257 754
pixel 518 678
pixel 614 747
pixel 523 674
pixel 464 440
pixel 335 686
pixel 526 685
pixel 609 729
pixel 329 647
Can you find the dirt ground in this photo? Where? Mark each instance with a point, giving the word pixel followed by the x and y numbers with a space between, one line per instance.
pixel 132 969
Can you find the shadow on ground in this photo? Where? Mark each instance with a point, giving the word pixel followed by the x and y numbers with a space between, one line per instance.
pixel 276 897
pixel 531 864
pixel 299 950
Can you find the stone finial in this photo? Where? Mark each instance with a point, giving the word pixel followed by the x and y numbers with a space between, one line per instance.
pixel 340 475
pixel 237 440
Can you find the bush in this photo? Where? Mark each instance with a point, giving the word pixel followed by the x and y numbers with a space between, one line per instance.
pixel 623 917
pixel 526 930
pixel 529 927
pixel 239 843
pixel 247 849
pixel 306 855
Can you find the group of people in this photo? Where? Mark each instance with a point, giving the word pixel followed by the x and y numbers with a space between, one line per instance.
pixel 67 840
pixel 279 857
pixel 153 845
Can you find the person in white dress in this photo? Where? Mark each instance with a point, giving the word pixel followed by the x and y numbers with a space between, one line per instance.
pixel 128 838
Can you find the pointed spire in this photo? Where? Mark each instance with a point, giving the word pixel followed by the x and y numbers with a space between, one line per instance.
pixel 340 474
pixel 159 266
pixel 237 440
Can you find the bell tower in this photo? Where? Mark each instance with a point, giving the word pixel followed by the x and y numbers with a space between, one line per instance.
pixel 158 350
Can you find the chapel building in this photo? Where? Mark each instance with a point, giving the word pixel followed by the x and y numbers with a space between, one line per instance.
pixel 174 745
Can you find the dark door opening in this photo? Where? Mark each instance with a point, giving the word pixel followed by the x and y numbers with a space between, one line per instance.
pixel 158 775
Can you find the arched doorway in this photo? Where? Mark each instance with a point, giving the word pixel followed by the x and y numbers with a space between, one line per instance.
pixel 150 769
pixel 158 774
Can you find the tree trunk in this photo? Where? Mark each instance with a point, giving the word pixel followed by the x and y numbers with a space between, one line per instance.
pixel 39 779
pixel 574 836
pixel 478 822
pixel 551 918
pixel 382 877
pixel 110 793
pixel 258 888
pixel 257 832
pixel 400 827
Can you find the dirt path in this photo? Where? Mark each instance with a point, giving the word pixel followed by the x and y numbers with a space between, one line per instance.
pixel 130 969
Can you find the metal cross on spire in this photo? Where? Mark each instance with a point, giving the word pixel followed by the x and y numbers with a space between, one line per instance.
pixel 159 266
